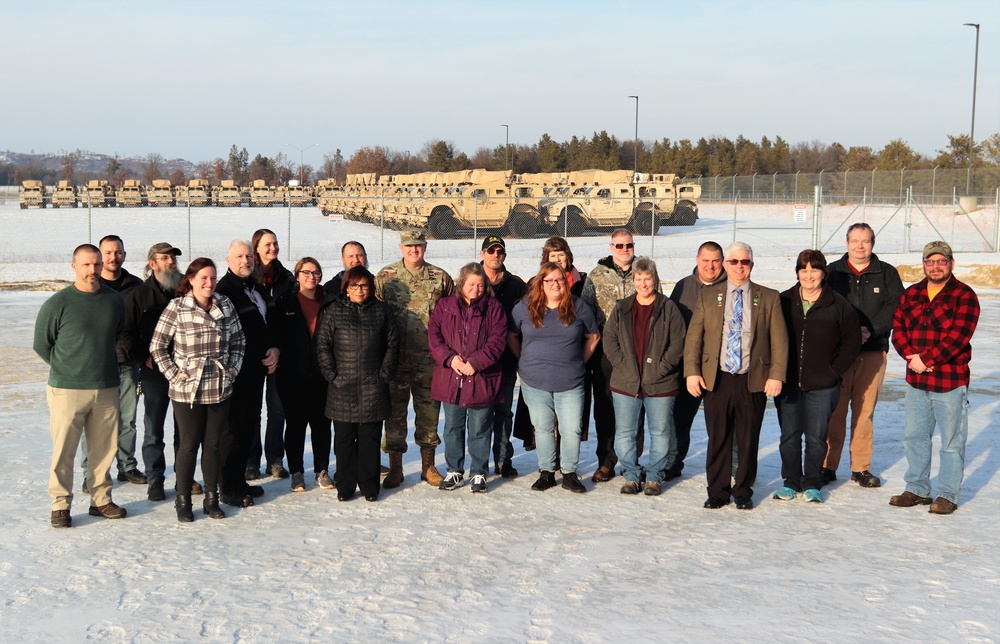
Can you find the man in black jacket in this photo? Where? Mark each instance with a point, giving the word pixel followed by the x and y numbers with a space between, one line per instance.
pixel 508 288
pixel 261 359
pixel 143 307
pixel 352 254
pixel 873 288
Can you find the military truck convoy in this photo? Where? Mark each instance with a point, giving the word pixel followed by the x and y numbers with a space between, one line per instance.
pixel 198 192
pixel 569 203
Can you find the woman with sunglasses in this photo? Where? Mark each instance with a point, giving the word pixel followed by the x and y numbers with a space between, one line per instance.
pixel 824 338
pixel 553 334
pixel 358 349
pixel 301 387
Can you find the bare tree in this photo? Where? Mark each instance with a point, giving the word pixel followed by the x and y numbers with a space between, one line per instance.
pixel 152 167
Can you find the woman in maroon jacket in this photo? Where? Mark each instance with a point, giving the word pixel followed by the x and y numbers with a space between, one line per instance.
pixel 467 333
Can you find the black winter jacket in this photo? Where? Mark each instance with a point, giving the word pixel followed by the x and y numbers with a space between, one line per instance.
pixel 661 372
pixel 357 346
pixel 874 295
pixel 257 330
pixel 143 306
pixel 298 362
pixel 823 343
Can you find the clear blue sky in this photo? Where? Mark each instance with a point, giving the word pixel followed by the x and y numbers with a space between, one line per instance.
pixel 189 79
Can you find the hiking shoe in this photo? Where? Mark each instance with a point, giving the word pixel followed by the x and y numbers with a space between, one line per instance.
pixel 277 471
pixel 784 494
pixel 109 511
pixel 631 487
pixel 813 495
pixel 61 519
pixel 155 492
pixel 866 479
pixel 133 476
pixel 478 483
pixel 572 483
pixel 603 473
pixel 196 488
pixel 908 499
pixel 507 471
pixel 652 488
pixel 827 476
pixel 670 475
pixel 323 480
pixel 298 482
pixel 237 500
pixel 744 503
pixel 453 481
pixel 544 482
pixel 942 505
pixel 252 473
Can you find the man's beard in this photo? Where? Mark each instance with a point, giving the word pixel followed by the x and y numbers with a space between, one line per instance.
pixel 169 279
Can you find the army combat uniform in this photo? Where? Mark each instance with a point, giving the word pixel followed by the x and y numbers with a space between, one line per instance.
pixel 412 296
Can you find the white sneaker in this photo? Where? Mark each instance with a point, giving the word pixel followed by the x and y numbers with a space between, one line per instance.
pixel 453 481
pixel 478 483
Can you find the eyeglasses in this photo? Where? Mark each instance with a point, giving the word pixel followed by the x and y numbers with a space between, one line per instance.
pixel 364 286
pixel 316 274
pixel 936 262
pixel 621 246
pixel 495 250
pixel 558 280
pixel 739 262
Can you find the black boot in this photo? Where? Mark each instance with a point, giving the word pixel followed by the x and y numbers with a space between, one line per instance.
pixel 211 505
pixel 183 505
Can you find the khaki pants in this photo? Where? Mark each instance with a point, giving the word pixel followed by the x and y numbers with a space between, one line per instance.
pixel 72 413
pixel 860 388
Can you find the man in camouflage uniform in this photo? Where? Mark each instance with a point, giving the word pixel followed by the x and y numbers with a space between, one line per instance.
pixel 412 287
pixel 610 281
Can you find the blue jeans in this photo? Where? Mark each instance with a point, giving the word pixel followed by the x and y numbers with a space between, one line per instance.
pixel 480 424
pixel 545 407
pixel 804 413
pixel 128 401
pixel 155 402
pixel 274 432
pixel 662 437
pixel 950 412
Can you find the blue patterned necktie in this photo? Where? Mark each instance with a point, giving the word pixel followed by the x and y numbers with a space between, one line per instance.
pixel 734 343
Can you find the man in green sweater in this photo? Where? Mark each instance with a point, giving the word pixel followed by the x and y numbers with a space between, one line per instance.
pixel 75 334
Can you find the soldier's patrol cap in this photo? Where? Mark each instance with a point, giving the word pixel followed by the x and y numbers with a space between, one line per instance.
pixel 413 237
pixel 163 248
pixel 492 241
pixel 937 248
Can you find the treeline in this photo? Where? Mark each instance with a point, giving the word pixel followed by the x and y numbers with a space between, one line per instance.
pixel 708 157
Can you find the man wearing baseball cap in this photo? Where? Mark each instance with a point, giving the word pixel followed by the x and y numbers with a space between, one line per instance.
pixel 143 306
pixel 412 287
pixel 932 330
pixel 508 289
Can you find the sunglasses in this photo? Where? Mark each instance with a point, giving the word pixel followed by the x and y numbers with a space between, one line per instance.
pixel 495 250
pixel 739 262
pixel 621 246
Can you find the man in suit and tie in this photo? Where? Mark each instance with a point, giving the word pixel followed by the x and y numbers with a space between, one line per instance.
pixel 736 354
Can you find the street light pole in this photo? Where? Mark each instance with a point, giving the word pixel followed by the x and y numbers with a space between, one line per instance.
pixel 972 130
pixel 301 152
pixel 506 147
pixel 635 156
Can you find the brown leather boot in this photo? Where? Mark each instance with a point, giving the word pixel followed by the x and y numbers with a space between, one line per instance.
pixel 428 472
pixel 395 476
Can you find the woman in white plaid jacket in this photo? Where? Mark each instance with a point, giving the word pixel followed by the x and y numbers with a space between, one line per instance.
pixel 198 345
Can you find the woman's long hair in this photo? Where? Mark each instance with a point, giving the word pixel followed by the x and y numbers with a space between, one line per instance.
pixel 196 265
pixel 538 302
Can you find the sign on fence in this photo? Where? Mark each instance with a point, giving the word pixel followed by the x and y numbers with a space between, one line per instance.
pixel 800 212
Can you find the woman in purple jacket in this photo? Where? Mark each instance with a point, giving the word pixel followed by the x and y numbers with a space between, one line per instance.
pixel 467 333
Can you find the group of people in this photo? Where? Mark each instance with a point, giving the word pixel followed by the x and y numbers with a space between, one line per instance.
pixel 343 359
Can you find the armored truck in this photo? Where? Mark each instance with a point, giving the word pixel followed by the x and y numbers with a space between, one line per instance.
pixel 64 195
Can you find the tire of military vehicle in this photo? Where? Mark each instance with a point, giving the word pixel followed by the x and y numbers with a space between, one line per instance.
pixel 442 224
pixel 684 216
pixel 75 204
pixel 572 228
pixel 522 224
pixel 24 206
pixel 55 205
pixel 641 222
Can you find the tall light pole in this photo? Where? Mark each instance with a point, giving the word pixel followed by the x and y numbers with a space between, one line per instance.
pixel 506 147
pixel 972 130
pixel 635 158
pixel 301 151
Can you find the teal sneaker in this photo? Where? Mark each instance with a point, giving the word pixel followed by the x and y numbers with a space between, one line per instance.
pixel 814 496
pixel 784 494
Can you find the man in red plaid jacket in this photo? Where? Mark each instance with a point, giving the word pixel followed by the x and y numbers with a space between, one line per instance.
pixel 932 330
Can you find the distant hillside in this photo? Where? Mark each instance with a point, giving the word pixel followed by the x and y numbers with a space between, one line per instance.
pixel 49 167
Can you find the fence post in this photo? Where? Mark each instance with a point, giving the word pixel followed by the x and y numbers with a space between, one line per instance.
pixel 90 222
pixel 475 225
pixel 774 181
pixel 907 224
pixel 873 185
pixel 996 221
pixel 735 203
pixel 817 201
pixel 381 227
pixel 288 257
pixel 190 250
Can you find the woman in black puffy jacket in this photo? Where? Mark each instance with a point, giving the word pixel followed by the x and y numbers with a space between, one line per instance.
pixel 358 349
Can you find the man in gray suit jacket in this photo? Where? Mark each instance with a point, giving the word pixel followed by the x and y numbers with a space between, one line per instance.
pixel 736 354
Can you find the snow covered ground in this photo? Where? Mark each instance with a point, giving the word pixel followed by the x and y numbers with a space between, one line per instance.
pixel 511 565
